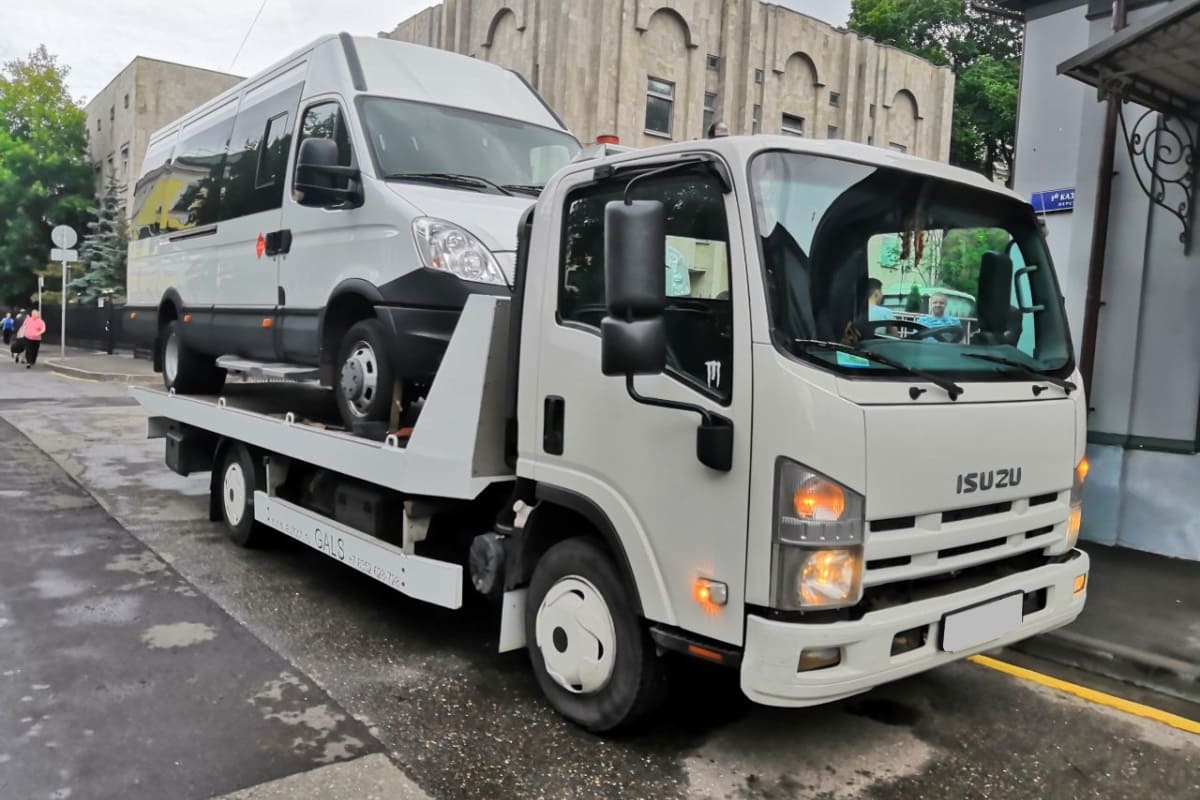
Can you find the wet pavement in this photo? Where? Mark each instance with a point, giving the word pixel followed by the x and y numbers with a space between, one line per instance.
pixel 463 721
pixel 117 678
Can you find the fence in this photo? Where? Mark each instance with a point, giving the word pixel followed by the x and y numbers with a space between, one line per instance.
pixel 88 325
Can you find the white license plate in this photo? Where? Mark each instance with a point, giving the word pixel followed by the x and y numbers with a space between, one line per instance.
pixel 971 627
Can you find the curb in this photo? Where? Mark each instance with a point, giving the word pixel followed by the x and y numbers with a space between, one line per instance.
pixel 104 377
pixel 1163 674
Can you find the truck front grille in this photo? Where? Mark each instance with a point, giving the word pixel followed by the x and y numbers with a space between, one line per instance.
pixel 907 548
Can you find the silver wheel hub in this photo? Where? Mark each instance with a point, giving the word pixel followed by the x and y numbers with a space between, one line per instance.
pixel 233 493
pixel 576 636
pixel 360 378
pixel 171 358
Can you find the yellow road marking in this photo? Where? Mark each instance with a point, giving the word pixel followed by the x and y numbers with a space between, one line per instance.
pixel 1091 695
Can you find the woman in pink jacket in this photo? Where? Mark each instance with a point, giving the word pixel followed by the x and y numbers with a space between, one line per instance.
pixel 32 332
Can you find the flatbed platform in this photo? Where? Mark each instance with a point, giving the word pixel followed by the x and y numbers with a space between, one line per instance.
pixel 456 449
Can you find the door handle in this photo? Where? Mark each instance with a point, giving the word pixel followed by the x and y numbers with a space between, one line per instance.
pixel 279 242
pixel 552 431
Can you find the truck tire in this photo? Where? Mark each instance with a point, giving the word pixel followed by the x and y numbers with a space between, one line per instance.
pixel 363 384
pixel 236 482
pixel 185 370
pixel 592 655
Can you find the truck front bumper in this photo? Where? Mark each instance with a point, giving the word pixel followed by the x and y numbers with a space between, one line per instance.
pixel 771 656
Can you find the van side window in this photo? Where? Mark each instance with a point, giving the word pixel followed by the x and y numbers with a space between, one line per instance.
pixel 145 217
pixel 699 314
pixel 196 176
pixel 326 121
pixel 257 151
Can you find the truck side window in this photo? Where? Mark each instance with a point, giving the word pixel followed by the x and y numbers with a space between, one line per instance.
pixel 699 315
pixel 326 121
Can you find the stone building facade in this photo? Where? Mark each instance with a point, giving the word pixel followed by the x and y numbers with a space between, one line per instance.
pixel 656 70
pixel 143 97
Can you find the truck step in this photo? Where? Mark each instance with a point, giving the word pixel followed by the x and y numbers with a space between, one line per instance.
pixel 269 371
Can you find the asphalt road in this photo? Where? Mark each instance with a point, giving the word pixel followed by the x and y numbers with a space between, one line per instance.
pixel 460 720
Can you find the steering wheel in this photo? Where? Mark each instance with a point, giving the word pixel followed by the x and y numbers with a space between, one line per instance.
pixel 951 334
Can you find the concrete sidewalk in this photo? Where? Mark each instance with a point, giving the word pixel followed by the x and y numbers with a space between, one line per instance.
pixel 1141 624
pixel 99 366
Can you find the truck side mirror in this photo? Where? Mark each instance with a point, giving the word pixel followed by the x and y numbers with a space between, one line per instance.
pixel 633 338
pixel 318 174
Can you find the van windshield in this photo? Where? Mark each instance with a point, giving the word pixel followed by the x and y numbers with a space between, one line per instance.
pixel 411 138
pixel 936 275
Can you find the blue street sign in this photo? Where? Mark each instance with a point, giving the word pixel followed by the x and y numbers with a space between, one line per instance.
pixel 1053 200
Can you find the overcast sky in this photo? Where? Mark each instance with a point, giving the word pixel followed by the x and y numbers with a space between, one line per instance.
pixel 98 44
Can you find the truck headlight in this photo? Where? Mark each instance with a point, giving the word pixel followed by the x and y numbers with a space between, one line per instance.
pixel 1075 519
pixel 816 556
pixel 448 247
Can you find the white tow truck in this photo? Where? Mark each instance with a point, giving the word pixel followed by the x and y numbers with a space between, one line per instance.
pixel 690 429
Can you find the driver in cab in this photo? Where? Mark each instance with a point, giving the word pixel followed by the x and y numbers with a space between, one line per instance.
pixel 937 316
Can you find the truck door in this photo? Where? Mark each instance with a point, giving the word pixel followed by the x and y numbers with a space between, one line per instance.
pixel 677 519
pixel 251 201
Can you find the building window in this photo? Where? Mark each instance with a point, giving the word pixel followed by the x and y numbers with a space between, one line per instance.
pixel 112 113
pixel 899 148
pixel 871 111
pixel 660 105
pixel 710 109
pixel 835 99
pixel 714 62
pixel 758 76
pixel 831 132
pixel 793 125
pixel 111 172
pixel 98 123
pixel 127 101
pixel 755 119
pixel 125 162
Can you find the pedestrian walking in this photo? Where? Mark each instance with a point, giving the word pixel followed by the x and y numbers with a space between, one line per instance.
pixel 32 332
pixel 9 326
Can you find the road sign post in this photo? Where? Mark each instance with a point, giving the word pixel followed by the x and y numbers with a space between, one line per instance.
pixel 64 237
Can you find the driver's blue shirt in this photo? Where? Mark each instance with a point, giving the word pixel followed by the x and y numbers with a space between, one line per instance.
pixel 930 321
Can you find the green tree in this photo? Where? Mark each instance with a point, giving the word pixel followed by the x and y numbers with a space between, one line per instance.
pixel 914 304
pixel 45 177
pixel 103 248
pixel 984 52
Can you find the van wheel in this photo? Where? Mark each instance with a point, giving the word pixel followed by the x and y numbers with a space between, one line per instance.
pixel 236 482
pixel 364 377
pixel 592 655
pixel 185 370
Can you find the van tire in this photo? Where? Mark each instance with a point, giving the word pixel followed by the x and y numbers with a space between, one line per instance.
pixel 238 479
pixel 185 370
pixel 581 572
pixel 363 378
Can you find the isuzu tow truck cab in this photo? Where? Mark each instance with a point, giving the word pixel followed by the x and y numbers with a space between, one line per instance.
pixel 691 430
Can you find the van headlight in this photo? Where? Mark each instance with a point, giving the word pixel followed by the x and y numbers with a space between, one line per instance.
pixel 449 248
pixel 817 543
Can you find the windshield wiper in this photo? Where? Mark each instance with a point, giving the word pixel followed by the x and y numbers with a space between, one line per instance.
pixel 1067 386
pixel 950 387
pixel 448 177
pixel 525 188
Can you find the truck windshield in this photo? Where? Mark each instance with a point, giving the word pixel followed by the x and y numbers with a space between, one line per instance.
pixel 410 138
pixel 923 271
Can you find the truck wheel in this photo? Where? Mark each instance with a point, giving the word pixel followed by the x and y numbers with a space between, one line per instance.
pixel 185 370
pixel 591 653
pixel 236 483
pixel 364 378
